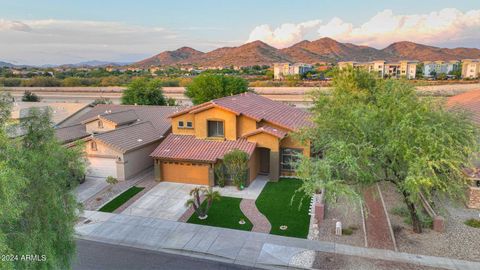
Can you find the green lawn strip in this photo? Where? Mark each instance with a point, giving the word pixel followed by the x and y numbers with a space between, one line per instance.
pixel 120 199
pixel 224 213
pixel 274 203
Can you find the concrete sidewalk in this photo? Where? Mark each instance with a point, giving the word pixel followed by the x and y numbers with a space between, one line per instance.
pixel 233 246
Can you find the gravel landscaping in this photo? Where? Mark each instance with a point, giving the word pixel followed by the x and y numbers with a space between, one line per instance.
pixel 350 216
pixel 459 241
pixel 331 261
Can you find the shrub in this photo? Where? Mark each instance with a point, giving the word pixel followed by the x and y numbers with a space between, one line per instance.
pixel 30 97
pixel 236 163
pixel 220 174
pixel 425 220
pixel 475 223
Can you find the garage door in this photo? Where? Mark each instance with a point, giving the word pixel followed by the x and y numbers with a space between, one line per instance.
pixel 102 167
pixel 185 173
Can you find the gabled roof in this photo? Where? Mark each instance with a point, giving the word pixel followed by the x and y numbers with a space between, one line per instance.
pixel 469 101
pixel 189 148
pixel 258 108
pixel 129 137
pixel 156 115
pixel 117 118
pixel 71 133
pixel 269 130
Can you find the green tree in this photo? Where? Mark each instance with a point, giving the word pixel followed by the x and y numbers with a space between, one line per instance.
pixel 142 91
pixel 371 130
pixel 30 97
pixel 211 86
pixel 41 207
pixel 236 165
pixel 196 201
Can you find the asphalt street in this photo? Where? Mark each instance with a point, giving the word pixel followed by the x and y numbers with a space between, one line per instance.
pixel 95 255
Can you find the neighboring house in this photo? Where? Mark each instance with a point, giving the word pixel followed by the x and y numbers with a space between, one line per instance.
pixel 439 67
pixel 60 112
pixel 407 69
pixel 281 70
pixel 470 101
pixel 118 138
pixel 203 134
pixel 470 68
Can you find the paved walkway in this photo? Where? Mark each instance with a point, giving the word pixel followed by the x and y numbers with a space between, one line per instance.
pixel 89 188
pixel 259 221
pixel 233 246
pixel 376 221
pixel 251 192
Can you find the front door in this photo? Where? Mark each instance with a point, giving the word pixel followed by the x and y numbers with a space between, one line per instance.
pixel 264 154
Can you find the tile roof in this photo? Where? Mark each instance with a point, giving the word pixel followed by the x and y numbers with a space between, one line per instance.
pixel 60 110
pixel 469 101
pixel 268 129
pixel 121 118
pixel 71 133
pixel 130 137
pixel 187 147
pixel 156 115
pixel 258 108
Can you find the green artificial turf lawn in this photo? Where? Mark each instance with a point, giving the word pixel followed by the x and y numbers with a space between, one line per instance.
pixel 274 203
pixel 224 213
pixel 120 199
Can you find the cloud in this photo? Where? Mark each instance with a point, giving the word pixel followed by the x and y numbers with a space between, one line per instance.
pixel 446 26
pixel 67 41
pixel 13 25
pixel 285 35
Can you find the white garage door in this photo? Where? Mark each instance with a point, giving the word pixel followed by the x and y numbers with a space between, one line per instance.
pixel 102 167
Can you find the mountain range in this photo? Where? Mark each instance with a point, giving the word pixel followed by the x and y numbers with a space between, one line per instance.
pixel 321 50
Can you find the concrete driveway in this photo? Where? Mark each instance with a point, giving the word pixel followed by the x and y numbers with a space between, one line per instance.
pixel 89 188
pixel 165 201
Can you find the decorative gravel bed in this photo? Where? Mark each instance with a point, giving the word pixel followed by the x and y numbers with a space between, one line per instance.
pixel 459 241
pixel 351 216
pixel 329 261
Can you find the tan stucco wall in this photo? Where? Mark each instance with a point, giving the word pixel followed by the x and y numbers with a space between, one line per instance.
pixel 185 118
pixel 290 142
pixel 245 125
pixel 103 150
pixel 216 114
pixel 265 140
pixel 138 160
pixel 254 165
pixel 93 126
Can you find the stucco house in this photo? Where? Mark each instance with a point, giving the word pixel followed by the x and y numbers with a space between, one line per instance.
pixel 118 138
pixel 203 134
pixel 470 101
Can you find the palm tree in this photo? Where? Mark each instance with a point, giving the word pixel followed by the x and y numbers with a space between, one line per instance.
pixel 196 201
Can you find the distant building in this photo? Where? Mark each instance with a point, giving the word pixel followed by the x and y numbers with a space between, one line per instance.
pixel 280 70
pixel 407 69
pixel 471 68
pixel 439 67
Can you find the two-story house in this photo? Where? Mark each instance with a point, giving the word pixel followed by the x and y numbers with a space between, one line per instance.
pixel 203 134
pixel 118 139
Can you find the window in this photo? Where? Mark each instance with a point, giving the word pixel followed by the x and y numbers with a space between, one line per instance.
pixel 189 124
pixel 288 157
pixel 93 146
pixel 100 124
pixel 215 129
pixel 180 124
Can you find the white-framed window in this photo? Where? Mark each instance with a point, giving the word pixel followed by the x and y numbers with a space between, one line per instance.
pixel 180 124
pixel 189 124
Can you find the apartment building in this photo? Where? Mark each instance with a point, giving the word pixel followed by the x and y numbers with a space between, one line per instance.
pixel 407 69
pixel 280 70
pixel 471 68
pixel 439 67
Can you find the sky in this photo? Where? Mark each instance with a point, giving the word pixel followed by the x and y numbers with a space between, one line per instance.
pixel 70 31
